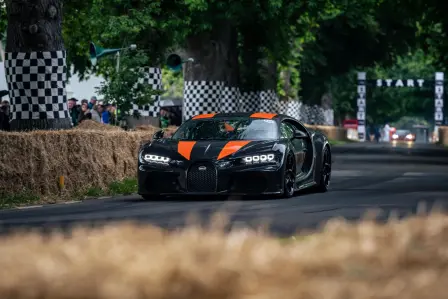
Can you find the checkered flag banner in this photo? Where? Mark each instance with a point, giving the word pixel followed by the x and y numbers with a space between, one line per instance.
pixel 153 77
pixel 202 97
pixel 263 101
pixel 291 107
pixel 315 115
pixel 208 97
pixel 36 83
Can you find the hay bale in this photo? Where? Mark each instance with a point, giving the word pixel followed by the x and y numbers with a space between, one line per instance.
pixel 332 132
pixel 443 135
pixel 93 125
pixel 86 158
pixel 147 128
pixel 400 260
pixel 170 131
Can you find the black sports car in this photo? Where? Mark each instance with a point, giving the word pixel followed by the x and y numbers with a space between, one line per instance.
pixel 235 154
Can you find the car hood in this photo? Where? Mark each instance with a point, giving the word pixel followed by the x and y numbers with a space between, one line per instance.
pixel 203 149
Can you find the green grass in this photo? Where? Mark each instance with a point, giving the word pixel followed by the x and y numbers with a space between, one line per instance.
pixel 12 200
pixel 338 142
pixel 26 198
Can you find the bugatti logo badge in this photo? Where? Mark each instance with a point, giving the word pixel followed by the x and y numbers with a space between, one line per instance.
pixel 202 168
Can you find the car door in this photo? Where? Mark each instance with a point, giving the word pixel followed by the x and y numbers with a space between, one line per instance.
pixel 287 133
pixel 304 146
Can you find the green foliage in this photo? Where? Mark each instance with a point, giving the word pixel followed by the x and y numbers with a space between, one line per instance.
pixel 388 104
pixel 354 35
pixel 3 24
pixel 173 83
pixel 124 88
pixel 318 45
pixel 407 122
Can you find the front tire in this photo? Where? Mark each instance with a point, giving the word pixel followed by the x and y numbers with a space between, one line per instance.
pixel 289 178
pixel 325 173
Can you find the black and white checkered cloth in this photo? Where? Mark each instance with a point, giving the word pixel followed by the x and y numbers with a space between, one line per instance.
pixel 153 77
pixel 202 97
pixel 36 83
pixel 290 107
pixel 209 97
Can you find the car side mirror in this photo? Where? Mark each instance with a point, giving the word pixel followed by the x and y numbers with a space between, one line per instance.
pixel 158 135
pixel 299 135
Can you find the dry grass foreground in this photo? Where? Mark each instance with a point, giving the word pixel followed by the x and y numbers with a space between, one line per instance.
pixel 92 155
pixel 400 260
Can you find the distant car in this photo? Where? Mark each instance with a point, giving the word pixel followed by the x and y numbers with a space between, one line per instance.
pixel 235 154
pixel 403 135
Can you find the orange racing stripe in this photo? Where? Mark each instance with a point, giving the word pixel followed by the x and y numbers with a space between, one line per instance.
pixel 231 147
pixel 201 116
pixel 228 127
pixel 263 115
pixel 185 147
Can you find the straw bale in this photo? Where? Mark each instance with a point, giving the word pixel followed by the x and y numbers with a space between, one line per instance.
pixel 367 261
pixel 91 158
pixel 93 125
pixel 169 131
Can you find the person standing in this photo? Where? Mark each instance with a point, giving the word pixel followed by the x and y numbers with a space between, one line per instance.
pixel 92 102
pixel 85 113
pixel 73 111
pixel 105 114
pixel 386 136
pixel 164 119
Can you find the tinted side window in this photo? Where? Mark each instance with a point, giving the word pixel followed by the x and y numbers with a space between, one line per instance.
pixel 295 126
pixel 286 131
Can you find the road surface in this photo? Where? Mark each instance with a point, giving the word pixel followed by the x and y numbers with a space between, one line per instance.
pixel 365 177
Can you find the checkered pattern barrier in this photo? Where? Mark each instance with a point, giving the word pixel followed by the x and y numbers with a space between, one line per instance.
pixel 209 97
pixel 290 107
pixel 153 76
pixel 36 83
pixel 229 99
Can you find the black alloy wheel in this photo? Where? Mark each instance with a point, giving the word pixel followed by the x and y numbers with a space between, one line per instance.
pixel 325 175
pixel 289 177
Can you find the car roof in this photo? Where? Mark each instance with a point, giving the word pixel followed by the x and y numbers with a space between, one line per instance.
pixel 260 115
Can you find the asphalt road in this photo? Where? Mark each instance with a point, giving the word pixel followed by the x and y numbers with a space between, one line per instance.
pixel 394 179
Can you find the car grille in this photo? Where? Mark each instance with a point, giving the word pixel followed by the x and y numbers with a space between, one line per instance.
pixel 202 180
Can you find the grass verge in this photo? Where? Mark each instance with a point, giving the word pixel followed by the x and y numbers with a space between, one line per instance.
pixel 26 197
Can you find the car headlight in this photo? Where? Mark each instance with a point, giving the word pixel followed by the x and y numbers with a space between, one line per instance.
pixel 409 136
pixel 395 136
pixel 259 159
pixel 155 159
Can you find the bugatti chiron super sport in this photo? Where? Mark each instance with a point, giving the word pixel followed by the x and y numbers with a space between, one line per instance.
pixel 235 154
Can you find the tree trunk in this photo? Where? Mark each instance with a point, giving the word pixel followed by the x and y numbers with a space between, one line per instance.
pixel 35 65
pixel 211 81
pixel 215 54
pixel 259 77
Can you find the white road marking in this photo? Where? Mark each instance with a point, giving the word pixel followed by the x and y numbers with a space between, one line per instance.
pixel 346 173
pixel 415 174
pixel 71 202
pixel 30 207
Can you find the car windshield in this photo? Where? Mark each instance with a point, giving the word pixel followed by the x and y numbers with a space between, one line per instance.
pixel 241 128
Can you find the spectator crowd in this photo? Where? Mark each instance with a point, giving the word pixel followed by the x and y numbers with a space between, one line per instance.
pixel 94 110
pixel 79 111
pixel 4 115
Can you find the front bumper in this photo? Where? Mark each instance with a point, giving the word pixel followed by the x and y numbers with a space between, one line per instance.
pixel 261 180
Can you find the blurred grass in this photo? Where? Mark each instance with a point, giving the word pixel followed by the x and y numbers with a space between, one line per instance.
pixel 26 197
